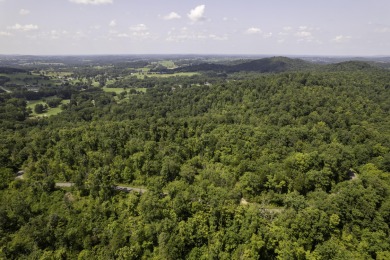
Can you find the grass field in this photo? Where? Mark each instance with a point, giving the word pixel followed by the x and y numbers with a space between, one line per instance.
pixel 95 83
pixel 49 112
pixel 168 63
pixel 179 74
pixel 141 89
pixel 115 90
pixel 120 90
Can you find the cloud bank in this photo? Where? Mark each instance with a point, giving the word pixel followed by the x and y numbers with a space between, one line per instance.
pixel 253 30
pixel 341 38
pixel 27 27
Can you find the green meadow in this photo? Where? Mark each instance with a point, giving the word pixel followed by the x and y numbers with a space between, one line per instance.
pixel 50 111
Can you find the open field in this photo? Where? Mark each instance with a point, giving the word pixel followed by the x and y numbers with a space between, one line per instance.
pixel 156 75
pixel 115 90
pixel 120 90
pixel 178 74
pixel 168 63
pixel 49 112
pixel 58 73
pixel 141 89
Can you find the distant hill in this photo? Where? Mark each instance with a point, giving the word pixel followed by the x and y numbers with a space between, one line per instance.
pixel 276 64
pixel 273 65
pixel 266 65
pixel 349 66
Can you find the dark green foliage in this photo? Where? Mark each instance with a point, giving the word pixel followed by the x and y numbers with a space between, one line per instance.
pixel 11 110
pixel 53 102
pixel 39 108
pixel 349 66
pixel 10 70
pixel 288 143
pixel 3 80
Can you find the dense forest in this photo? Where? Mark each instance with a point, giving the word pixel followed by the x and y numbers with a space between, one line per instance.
pixel 292 164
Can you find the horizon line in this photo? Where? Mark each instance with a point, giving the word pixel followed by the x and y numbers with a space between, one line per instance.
pixel 202 54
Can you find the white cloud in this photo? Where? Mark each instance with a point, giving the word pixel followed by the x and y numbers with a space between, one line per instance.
pixel 287 30
pixel 197 13
pixel 112 23
pixel 136 32
pixel 95 27
pixel 303 34
pixel 140 30
pixel 50 35
pixel 172 16
pixel 341 38
pixel 79 35
pixel 27 27
pixel 229 19
pixel 253 30
pixel 123 35
pixel 92 2
pixel 303 28
pixel 218 38
pixel 304 31
pixel 24 12
pixel 382 30
pixel 54 34
pixel 185 34
pixel 5 34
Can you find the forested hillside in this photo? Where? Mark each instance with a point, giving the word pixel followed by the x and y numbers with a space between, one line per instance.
pixel 265 65
pixel 292 165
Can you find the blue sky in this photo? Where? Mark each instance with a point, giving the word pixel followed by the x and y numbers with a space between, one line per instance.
pixel 277 27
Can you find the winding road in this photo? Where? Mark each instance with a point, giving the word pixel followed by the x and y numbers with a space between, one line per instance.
pixel 20 176
pixel 6 90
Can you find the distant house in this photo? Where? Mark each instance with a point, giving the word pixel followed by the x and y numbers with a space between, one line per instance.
pixel 33 89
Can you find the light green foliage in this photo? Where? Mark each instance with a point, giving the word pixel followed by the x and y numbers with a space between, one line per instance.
pixel 6 176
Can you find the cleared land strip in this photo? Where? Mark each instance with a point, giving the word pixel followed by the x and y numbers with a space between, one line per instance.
pixel 128 189
pixel 121 188
pixel 64 184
